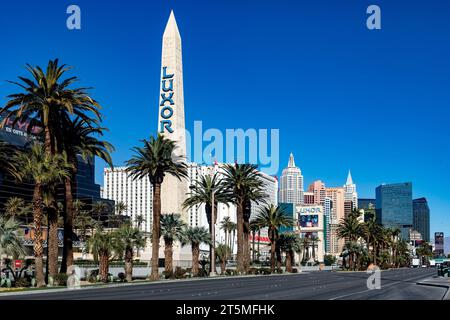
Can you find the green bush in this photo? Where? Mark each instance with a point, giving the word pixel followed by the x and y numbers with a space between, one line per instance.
pixel 60 279
pixel 180 273
pixel 202 273
pixel 252 271
pixel 230 272
pixel 265 271
pixel 22 283
pixel 294 270
pixel 168 275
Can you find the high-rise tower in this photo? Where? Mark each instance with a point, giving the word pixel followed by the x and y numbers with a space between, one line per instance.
pixel 171 121
pixel 350 192
pixel 291 183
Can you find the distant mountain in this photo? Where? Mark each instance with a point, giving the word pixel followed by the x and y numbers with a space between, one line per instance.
pixel 447 245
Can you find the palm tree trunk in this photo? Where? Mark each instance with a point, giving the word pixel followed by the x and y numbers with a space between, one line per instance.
pixel 259 241
pixel 240 238
pixel 168 254
pixel 52 245
pixel 223 265
pixel 246 246
pixel 38 242
pixel 104 267
pixel 253 246
pixel 288 262
pixel 156 230
pixel 195 255
pixel 129 264
pixel 67 257
pixel 272 256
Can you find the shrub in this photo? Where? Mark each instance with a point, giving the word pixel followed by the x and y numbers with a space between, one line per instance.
pixel 252 271
pixel 279 270
pixel 168 275
pixel 294 270
pixel 230 272
pixel 22 283
pixel 60 279
pixel 121 276
pixel 202 273
pixel 265 271
pixel 180 273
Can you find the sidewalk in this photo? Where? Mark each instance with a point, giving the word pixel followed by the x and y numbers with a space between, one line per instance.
pixel 436 281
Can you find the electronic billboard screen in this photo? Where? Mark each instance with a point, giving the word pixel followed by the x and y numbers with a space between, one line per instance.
pixel 309 221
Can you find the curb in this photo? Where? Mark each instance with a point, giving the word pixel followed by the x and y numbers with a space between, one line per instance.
pixel 446 286
pixel 105 286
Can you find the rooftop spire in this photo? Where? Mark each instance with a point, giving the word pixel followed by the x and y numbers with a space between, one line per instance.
pixel 349 178
pixel 291 161
pixel 171 27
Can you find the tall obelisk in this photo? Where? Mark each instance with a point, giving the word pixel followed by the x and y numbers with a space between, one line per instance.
pixel 171 114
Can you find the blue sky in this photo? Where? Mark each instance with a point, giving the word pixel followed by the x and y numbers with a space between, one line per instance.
pixel 344 97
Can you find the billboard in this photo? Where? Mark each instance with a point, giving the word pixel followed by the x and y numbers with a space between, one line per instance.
pixel 19 134
pixel 439 243
pixel 309 221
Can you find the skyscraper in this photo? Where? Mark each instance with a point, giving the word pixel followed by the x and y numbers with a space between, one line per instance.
pixel 171 121
pixel 319 191
pixel 291 183
pixel 421 218
pixel 336 209
pixel 350 191
pixel 394 207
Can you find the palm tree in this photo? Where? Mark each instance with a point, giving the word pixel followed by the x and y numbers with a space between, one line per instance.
pixel 244 181
pixel 16 207
pixel 79 139
pixel 172 229
pixel 103 244
pixel 10 241
pixel 154 161
pixel 222 253
pixel 351 229
pixel 128 239
pixel 314 241
pixel 289 243
pixel 99 209
pixel 254 229
pixel 196 236
pixel 203 192
pixel 370 232
pixel 273 217
pixel 43 169
pixel 225 226
pixel 424 251
pixel 232 230
pixel 120 208
pixel 140 220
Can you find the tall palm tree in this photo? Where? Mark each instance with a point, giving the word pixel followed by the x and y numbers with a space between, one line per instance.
pixel 196 236
pixel 222 254
pixel 154 161
pixel 244 181
pixel 129 239
pixel 84 221
pixel 103 244
pixel 79 138
pixel 273 217
pixel 314 241
pixel 43 169
pixel 202 192
pixel 232 230
pixel 47 102
pixel 10 241
pixel 172 229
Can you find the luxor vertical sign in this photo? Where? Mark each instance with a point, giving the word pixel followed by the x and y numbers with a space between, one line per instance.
pixel 167 103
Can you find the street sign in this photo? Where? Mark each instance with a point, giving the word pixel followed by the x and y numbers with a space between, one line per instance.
pixel 18 264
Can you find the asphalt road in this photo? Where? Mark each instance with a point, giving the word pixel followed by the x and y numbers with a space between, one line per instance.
pixel 395 285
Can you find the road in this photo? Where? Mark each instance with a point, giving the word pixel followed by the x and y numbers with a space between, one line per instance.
pixel 395 285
